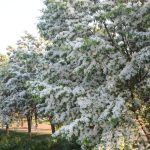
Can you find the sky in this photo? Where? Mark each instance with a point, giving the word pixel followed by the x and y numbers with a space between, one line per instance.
pixel 16 17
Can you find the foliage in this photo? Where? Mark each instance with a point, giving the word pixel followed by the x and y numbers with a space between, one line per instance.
pixel 92 77
pixel 15 99
pixel 3 59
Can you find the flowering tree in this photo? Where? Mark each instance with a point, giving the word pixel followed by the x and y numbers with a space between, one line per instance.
pixel 93 78
pixel 97 79
pixel 17 100
pixel 4 117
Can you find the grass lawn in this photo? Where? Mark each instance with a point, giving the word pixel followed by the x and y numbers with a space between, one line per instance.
pixel 21 141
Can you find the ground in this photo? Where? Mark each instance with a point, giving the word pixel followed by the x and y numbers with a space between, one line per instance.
pixel 22 141
pixel 43 127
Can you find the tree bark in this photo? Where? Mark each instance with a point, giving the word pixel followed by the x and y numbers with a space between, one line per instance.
pixel 29 122
pixel 36 120
pixel 2 126
pixel 143 128
pixel 52 125
pixel 7 128
pixel 22 123
pixel 53 128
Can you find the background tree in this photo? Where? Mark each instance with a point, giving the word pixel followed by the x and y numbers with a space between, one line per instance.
pixel 22 66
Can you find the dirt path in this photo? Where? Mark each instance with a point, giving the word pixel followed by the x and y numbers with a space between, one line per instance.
pixel 41 129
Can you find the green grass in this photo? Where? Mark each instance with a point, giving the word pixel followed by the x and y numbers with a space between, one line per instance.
pixel 21 141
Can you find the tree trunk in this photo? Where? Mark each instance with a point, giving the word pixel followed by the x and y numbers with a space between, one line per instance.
pixel 22 123
pixel 2 126
pixel 146 138
pixel 53 128
pixel 36 120
pixel 29 121
pixel 52 125
pixel 7 128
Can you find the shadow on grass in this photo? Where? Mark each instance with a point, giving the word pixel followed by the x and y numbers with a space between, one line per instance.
pixel 21 141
